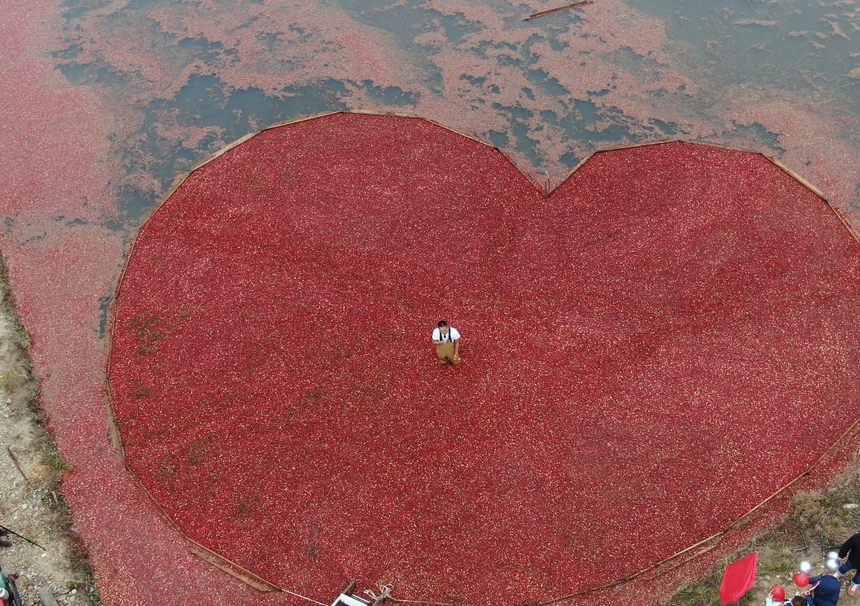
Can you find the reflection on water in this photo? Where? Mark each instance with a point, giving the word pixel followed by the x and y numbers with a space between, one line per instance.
pixel 548 91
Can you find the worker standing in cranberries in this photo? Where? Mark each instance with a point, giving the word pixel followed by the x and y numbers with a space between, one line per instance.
pixel 447 342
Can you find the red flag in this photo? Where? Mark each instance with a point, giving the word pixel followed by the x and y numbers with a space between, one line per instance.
pixel 738 578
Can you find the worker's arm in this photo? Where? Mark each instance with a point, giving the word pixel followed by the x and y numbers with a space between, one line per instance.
pixel 456 347
pixel 849 545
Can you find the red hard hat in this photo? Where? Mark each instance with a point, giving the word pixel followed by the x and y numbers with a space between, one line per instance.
pixel 801 579
pixel 777 592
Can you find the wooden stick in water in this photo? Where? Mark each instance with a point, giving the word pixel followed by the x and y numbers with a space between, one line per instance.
pixel 557 9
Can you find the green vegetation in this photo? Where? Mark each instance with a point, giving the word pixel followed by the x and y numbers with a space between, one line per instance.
pixel 57 462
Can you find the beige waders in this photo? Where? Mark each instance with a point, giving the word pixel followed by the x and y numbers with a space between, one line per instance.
pixel 446 354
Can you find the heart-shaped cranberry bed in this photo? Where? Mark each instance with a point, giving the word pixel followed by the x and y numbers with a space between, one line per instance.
pixel 663 341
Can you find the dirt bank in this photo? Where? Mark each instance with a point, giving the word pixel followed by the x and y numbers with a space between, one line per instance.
pixel 31 470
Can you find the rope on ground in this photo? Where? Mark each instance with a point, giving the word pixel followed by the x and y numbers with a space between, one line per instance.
pixel 425 602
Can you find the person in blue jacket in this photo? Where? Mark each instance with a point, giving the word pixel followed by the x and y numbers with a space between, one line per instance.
pixel 826 593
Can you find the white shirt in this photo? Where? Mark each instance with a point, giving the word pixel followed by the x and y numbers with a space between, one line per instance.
pixel 451 335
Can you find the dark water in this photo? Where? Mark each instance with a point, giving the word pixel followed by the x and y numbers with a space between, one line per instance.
pixel 790 45
pixel 807 47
